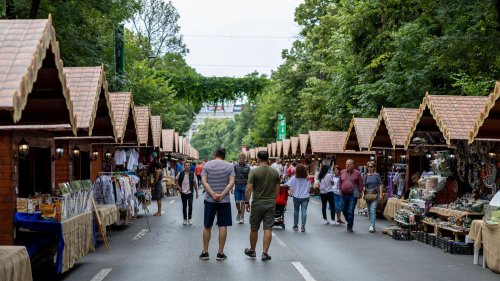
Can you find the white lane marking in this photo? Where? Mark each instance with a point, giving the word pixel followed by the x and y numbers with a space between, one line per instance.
pixel 140 234
pixel 172 201
pixel 101 274
pixel 315 202
pixel 162 212
pixel 281 242
pixel 303 271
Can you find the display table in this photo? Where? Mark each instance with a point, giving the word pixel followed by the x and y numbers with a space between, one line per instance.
pixel 109 214
pixel 391 208
pixel 489 236
pixel 444 212
pixel 75 236
pixel 15 264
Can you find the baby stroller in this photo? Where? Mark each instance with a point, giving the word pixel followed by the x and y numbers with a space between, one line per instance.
pixel 279 213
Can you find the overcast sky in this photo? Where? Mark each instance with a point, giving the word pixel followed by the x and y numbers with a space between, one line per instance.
pixel 236 37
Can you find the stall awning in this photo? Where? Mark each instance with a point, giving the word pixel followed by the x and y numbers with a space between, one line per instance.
pixel 294 145
pixel 252 153
pixel 91 105
pixel 144 132
pixel 122 107
pixel 454 117
pixel 273 148
pixel 269 149
pixel 33 88
pixel 156 130
pixel 393 125
pixel 327 142
pixel 286 147
pixel 168 142
pixel 176 142
pixel 359 133
pixel 279 149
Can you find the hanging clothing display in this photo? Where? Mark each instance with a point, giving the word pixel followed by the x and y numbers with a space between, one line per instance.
pixel 103 190
pixel 133 159
pixel 120 157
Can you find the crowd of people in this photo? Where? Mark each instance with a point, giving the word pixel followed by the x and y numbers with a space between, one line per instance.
pixel 257 185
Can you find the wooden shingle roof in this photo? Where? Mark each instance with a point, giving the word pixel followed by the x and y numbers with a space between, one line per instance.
pixel 455 116
pixel 327 142
pixel 304 141
pixel 286 147
pixel 486 126
pixel 269 148
pixel 142 115
pixel 122 105
pixel 24 45
pixel 398 122
pixel 176 142
pixel 279 148
pixel 252 153
pixel 168 142
pixel 359 133
pixel 156 130
pixel 86 85
pixel 273 148
pixel 294 145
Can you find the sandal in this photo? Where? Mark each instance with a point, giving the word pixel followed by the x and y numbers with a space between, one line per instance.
pixel 157 214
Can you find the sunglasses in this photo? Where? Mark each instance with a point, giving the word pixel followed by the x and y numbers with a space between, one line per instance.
pixel 370 166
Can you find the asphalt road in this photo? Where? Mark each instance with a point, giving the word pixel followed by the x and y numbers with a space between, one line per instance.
pixel 324 252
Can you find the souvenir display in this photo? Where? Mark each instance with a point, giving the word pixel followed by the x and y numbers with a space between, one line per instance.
pixel 492 211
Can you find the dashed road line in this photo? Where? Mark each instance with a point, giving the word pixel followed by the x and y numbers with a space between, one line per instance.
pixel 315 202
pixel 303 271
pixel 279 240
pixel 101 274
pixel 140 234
pixel 172 201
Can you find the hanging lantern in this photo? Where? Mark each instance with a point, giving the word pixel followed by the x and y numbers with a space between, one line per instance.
pixel 107 155
pixel 428 155
pixel 59 152
pixel 22 149
pixel 75 153
pixel 95 155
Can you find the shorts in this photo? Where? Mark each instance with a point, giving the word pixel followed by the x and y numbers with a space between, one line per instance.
pixel 223 212
pixel 263 212
pixel 338 202
pixel 239 193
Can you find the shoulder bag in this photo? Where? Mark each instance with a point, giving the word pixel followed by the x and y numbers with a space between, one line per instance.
pixel 355 188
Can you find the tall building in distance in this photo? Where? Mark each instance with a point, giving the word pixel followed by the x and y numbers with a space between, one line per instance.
pixel 228 111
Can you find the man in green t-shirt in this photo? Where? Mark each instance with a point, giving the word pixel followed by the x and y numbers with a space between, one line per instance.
pixel 264 181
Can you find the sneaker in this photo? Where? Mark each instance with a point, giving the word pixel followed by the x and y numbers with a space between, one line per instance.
pixel 295 228
pixel 184 222
pixel 327 222
pixel 371 229
pixel 266 257
pixel 221 257
pixel 238 217
pixel 340 222
pixel 190 222
pixel 349 229
pixel 242 221
pixel 250 253
pixel 334 222
pixel 303 229
pixel 204 256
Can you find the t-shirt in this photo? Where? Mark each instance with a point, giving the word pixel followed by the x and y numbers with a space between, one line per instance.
pixel 241 172
pixel 336 186
pixel 185 188
pixel 218 173
pixel 277 167
pixel 326 184
pixel 198 169
pixel 373 182
pixel 264 180
pixel 300 187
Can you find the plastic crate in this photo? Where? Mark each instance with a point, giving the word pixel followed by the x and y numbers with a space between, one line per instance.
pixel 402 235
pixel 443 242
pixel 431 239
pixel 459 248
pixel 422 237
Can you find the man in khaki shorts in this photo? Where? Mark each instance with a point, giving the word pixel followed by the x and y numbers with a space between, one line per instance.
pixel 264 181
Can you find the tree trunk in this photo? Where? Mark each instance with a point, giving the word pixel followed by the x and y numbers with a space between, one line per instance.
pixel 35 6
pixel 9 9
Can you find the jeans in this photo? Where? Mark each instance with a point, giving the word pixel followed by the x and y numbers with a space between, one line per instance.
pixel 349 203
pixel 187 201
pixel 198 178
pixel 328 198
pixel 300 203
pixel 372 211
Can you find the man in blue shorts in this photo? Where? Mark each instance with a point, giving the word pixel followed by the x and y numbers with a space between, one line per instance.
pixel 217 177
pixel 241 170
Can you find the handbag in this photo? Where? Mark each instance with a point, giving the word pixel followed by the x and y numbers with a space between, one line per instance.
pixel 355 191
pixel 369 197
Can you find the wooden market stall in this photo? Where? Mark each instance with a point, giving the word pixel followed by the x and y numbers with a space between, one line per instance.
pixel 359 132
pixel 284 149
pixel 274 153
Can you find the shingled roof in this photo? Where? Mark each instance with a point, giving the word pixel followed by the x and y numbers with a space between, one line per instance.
pixel 327 142
pixel 122 106
pixel 286 147
pixel 294 145
pixel 273 148
pixel 89 90
pixel 168 143
pixel 269 149
pixel 142 115
pixel 455 116
pixel 396 122
pixel 156 130
pixel 24 46
pixel 176 142
pixel 279 149
pixel 304 142
pixel 252 153
pixel 359 133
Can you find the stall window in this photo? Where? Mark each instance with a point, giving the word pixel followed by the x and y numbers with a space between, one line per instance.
pixel 35 172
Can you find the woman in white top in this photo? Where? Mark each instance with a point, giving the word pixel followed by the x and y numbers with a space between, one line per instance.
pixel 299 188
pixel 326 183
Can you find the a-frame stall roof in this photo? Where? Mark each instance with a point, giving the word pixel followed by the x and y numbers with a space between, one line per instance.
pixel 327 142
pixel 168 143
pixel 286 147
pixel 156 130
pixel 33 89
pixel 359 133
pixel 487 126
pixel 91 103
pixel 392 128
pixel 295 145
pixel 144 129
pixel 122 106
pixel 304 144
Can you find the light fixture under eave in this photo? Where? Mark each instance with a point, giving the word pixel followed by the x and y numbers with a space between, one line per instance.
pixel 59 152
pixel 75 153
pixel 95 155
pixel 107 155
pixel 428 155
pixel 22 149
pixel 372 157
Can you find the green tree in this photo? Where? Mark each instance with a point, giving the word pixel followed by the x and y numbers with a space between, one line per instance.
pixel 216 133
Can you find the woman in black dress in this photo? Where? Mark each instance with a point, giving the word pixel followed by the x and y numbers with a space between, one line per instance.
pixel 157 187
